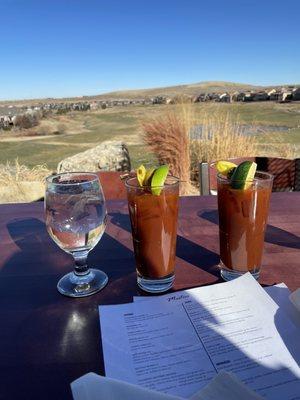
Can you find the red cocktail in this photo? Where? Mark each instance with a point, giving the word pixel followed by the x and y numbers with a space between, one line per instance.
pixel 243 217
pixel 154 230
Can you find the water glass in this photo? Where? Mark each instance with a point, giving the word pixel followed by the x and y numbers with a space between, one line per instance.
pixel 76 219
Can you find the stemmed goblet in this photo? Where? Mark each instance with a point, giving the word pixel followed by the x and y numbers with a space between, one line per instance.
pixel 76 219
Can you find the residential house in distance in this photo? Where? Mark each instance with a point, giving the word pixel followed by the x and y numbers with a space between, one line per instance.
pixel 94 106
pixel 285 95
pixel 225 98
pixel 296 94
pixel 273 94
pixel 200 98
pixel 238 96
pixel 249 96
pixel 260 96
pixel 212 97
pixel 161 100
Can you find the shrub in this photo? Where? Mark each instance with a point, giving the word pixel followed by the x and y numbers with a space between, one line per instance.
pixel 26 121
pixel 221 137
pixel 182 139
pixel 16 172
pixel 62 111
pixel 43 130
pixel 168 138
pixel 60 129
pixel 23 121
pixel 6 128
pixel 19 183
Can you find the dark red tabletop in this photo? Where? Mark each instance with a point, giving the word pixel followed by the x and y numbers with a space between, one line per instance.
pixel 48 340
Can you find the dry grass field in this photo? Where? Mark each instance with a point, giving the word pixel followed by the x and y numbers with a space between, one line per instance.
pixel 150 132
pixel 274 127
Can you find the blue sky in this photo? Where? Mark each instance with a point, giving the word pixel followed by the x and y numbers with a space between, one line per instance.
pixel 56 48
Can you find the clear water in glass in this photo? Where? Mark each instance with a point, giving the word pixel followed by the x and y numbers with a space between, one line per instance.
pixel 76 219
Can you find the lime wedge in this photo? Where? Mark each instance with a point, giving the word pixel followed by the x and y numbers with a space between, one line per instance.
pixel 148 176
pixel 243 175
pixel 158 179
pixel 225 167
pixel 140 174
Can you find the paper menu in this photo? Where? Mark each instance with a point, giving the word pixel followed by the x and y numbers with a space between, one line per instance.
pixel 280 298
pixel 154 348
pixel 177 346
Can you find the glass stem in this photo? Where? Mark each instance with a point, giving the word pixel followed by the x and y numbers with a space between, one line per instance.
pixel 81 267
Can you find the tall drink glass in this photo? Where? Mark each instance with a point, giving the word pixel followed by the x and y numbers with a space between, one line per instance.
pixel 243 217
pixel 154 231
pixel 76 219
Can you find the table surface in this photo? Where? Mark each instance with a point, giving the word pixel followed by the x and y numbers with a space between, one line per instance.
pixel 48 340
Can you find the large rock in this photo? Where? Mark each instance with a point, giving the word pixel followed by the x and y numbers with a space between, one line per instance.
pixel 108 156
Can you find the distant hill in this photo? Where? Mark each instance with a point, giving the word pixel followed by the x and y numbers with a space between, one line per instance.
pixel 189 89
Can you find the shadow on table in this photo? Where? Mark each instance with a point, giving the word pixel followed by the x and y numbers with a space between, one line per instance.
pixel 187 250
pixel 281 237
pixel 198 255
pixel 121 220
pixel 30 276
pixel 115 259
pixel 273 234
pixel 37 253
pixel 38 263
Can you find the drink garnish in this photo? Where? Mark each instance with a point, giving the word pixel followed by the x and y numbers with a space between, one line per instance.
pixel 225 167
pixel 158 179
pixel 243 175
pixel 140 174
pixel 148 176
pixel 153 178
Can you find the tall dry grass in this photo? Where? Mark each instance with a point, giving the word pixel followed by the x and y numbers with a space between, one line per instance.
pixel 274 145
pixel 16 172
pixel 221 138
pixel 288 150
pixel 19 183
pixel 173 137
pixel 167 136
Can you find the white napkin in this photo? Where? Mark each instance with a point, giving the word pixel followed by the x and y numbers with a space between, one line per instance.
pixel 282 296
pixel 225 386
pixel 95 387
pixel 295 298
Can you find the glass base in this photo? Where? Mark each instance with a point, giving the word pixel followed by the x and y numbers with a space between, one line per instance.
pixel 159 285
pixel 229 274
pixel 73 285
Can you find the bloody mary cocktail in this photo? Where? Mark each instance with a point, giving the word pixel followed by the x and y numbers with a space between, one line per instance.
pixel 153 215
pixel 243 217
